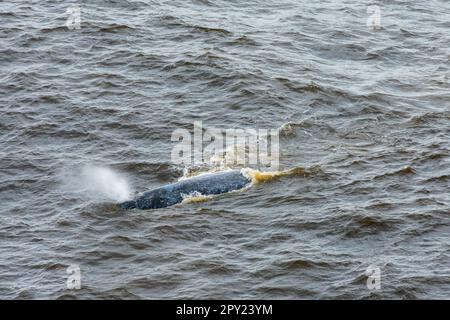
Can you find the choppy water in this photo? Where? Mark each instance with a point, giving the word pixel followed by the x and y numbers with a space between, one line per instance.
pixel 367 111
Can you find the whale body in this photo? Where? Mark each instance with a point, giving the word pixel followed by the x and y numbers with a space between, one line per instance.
pixel 207 184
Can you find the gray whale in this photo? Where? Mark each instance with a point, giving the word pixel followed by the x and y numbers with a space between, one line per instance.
pixel 207 184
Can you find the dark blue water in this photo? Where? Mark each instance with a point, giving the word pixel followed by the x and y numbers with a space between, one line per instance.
pixel 365 110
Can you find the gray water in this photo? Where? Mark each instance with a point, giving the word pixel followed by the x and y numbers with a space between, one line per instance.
pixel 364 110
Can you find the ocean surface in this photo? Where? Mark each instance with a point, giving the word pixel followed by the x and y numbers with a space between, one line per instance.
pixel 362 111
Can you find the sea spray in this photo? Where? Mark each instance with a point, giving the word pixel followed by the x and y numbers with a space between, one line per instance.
pixel 98 183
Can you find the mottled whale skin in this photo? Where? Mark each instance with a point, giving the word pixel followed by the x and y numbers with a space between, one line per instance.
pixel 207 184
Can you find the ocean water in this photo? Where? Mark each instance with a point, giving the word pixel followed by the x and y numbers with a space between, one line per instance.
pixel 86 121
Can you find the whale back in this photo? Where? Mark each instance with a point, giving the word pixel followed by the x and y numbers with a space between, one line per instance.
pixel 207 184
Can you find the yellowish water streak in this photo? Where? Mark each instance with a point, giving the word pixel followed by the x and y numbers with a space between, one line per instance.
pixel 263 176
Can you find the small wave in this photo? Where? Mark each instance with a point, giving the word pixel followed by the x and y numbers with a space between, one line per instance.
pixel 169 20
pixel 55 29
pixel 361 225
pixel 406 170
pixel 172 20
pixel 8 14
pixel 211 30
pixel 428 118
pixel 443 178
pixel 407 33
pixel 114 28
pixel 300 88
pixel 244 40
pixel 302 264
pixel 289 128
